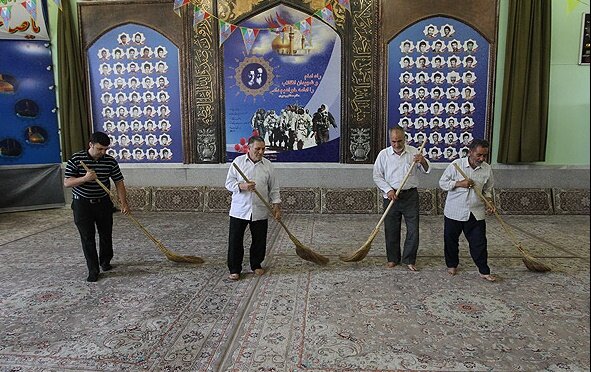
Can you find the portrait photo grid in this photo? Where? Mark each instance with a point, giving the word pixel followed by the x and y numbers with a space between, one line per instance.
pixel 437 87
pixel 135 95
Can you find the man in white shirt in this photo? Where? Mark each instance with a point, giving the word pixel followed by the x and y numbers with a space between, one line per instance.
pixel 389 170
pixel 465 211
pixel 247 209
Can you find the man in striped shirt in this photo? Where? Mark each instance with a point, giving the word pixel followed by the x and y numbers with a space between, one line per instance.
pixel 464 210
pixel 91 203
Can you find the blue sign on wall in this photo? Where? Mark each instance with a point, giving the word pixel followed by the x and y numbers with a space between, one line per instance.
pixel 28 116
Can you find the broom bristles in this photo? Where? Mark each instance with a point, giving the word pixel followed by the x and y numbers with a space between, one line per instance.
pixel 360 254
pixel 306 253
pixel 530 262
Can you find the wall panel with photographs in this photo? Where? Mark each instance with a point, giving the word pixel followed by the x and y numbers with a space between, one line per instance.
pixel 438 73
pixel 135 90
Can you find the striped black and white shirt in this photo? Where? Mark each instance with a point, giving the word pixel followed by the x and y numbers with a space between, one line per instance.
pixel 106 168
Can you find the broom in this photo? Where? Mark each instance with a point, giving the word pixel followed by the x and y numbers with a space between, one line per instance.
pixel 360 254
pixel 301 250
pixel 530 262
pixel 168 253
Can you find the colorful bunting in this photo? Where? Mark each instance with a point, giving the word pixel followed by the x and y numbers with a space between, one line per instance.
pixel 226 30
pixel 31 7
pixel 198 16
pixel 327 15
pixel 5 12
pixel 346 4
pixel 305 27
pixel 249 35
pixel 180 3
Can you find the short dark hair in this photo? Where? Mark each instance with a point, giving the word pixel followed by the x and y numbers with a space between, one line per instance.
pixel 254 139
pixel 477 142
pixel 100 138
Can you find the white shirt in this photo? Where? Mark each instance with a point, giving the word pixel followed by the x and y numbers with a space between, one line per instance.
pixel 246 205
pixel 460 201
pixel 390 168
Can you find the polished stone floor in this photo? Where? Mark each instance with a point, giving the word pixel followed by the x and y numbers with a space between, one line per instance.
pixel 150 313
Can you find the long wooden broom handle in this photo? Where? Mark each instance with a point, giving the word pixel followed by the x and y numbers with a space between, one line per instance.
pixel 262 199
pixel 114 198
pixel 401 185
pixel 491 207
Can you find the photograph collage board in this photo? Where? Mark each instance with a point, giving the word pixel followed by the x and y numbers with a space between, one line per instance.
pixel 438 86
pixel 135 90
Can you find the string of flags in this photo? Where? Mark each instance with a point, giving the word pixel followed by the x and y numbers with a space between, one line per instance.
pixel 29 5
pixel 249 35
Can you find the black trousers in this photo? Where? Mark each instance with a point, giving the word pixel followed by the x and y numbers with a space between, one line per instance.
pixel 475 233
pixel 86 216
pixel 258 246
pixel 407 206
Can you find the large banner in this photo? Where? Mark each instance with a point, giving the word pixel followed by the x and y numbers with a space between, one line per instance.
pixel 135 93
pixel 282 81
pixel 438 73
pixel 23 20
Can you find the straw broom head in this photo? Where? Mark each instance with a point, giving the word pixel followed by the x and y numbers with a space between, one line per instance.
pixel 307 254
pixel 360 254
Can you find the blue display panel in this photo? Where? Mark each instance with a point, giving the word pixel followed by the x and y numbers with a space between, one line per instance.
pixel 28 115
pixel 438 73
pixel 286 88
pixel 135 90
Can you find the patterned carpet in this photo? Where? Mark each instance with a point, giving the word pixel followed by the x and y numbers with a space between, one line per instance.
pixel 152 314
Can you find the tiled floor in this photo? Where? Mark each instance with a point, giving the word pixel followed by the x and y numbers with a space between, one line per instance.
pixel 149 313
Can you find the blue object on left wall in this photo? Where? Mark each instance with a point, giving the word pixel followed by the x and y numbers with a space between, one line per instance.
pixel 26 73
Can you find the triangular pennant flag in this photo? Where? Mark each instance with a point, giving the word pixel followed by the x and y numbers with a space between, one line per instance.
pixel 199 15
pixel 31 6
pixel 346 4
pixel 226 30
pixel 305 27
pixel 5 12
pixel 327 15
pixel 180 3
pixel 249 35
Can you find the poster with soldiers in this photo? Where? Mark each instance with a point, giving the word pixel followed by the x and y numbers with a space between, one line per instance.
pixel 285 88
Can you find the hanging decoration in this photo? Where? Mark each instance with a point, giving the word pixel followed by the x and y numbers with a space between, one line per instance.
pixel 305 27
pixel 31 7
pixel 346 4
pixel 5 13
pixel 198 16
pixel 249 35
pixel 327 15
pixel 226 30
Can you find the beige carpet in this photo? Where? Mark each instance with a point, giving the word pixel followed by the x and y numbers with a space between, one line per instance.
pixel 152 314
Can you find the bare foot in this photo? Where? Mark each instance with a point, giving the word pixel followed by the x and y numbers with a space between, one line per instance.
pixel 489 277
pixel 412 268
pixel 391 265
pixel 259 272
pixel 452 271
pixel 234 277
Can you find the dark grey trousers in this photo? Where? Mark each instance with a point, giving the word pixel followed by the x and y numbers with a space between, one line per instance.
pixel 406 206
